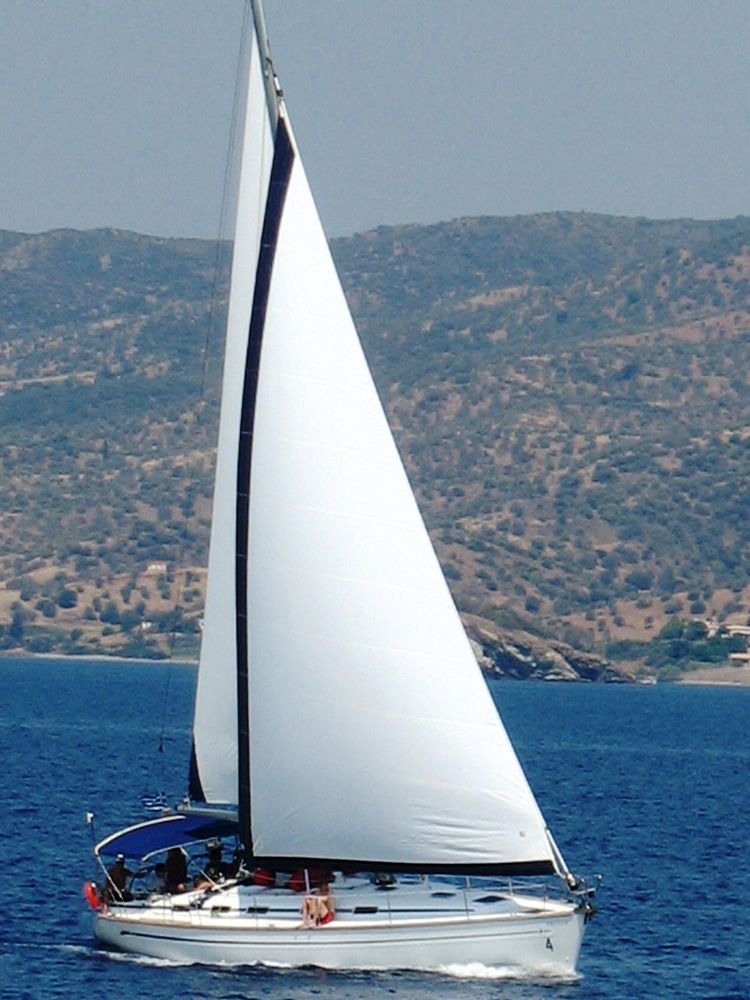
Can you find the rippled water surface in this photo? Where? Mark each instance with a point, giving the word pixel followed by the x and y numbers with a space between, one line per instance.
pixel 648 785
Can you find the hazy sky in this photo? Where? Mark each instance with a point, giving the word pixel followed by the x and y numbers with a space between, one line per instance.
pixel 117 112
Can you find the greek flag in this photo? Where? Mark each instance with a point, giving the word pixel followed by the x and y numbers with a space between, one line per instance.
pixel 154 801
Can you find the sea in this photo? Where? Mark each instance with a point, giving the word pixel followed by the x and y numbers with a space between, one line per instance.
pixel 648 786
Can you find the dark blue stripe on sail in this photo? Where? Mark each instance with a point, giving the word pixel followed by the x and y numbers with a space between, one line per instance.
pixel 281 169
pixel 195 788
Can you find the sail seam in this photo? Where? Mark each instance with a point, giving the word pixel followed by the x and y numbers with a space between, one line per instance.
pixel 281 167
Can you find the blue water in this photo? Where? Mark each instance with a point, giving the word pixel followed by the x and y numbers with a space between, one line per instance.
pixel 648 785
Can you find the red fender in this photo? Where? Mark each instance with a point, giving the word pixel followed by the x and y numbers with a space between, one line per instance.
pixel 91 895
pixel 297 882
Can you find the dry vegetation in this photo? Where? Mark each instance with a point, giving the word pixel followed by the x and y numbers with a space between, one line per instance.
pixel 569 393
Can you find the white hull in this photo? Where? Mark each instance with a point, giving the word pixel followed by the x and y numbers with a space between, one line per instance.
pixel 527 934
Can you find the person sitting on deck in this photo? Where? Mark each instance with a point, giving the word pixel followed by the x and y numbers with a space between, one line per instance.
pixel 175 870
pixel 318 907
pixel 117 880
pixel 215 870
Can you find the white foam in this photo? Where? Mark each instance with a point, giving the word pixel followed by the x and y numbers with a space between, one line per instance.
pixel 476 970
pixel 125 956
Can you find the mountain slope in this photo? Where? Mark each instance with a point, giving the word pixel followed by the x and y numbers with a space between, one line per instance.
pixel 569 393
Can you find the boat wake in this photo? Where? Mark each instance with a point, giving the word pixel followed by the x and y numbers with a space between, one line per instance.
pixel 476 970
pixel 121 956
pixel 166 963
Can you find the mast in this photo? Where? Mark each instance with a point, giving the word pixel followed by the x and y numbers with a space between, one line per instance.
pixel 273 90
pixel 281 166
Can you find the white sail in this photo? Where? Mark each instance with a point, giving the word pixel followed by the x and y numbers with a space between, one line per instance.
pixel 215 724
pixel 372 736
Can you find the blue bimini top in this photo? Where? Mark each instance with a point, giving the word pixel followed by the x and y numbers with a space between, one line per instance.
pixel 175 830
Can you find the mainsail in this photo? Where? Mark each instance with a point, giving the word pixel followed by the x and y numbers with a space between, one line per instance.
pixel 339 703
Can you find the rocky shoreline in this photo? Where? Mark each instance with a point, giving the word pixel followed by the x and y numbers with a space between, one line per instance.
pixel 519 655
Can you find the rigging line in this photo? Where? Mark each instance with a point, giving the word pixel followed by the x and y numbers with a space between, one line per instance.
pixel 220 246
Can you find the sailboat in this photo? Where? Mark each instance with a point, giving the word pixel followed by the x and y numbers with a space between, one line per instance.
pixel 346 748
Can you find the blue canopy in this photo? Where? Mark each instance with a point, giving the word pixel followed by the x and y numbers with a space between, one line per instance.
pixel 177 830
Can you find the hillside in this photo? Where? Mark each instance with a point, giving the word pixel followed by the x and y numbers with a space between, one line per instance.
pixel 569 393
